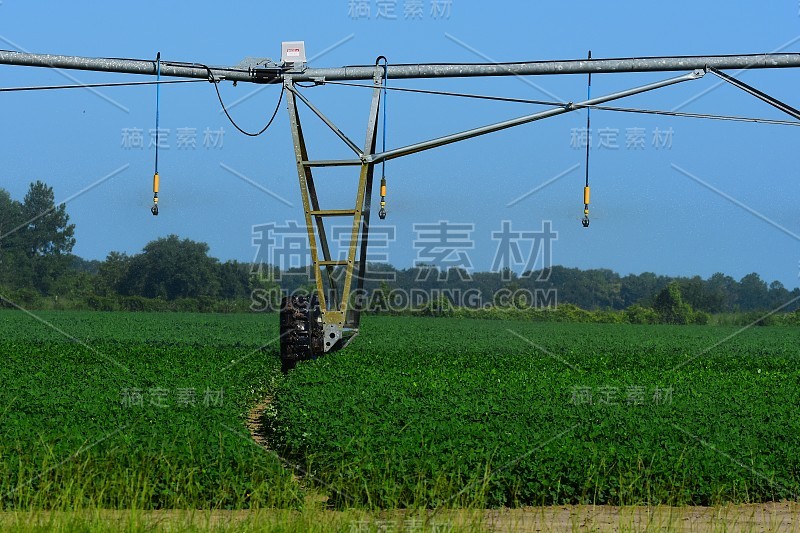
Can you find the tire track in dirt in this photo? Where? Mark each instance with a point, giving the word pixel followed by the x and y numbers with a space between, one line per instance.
pixel 256 427
pixel 255 422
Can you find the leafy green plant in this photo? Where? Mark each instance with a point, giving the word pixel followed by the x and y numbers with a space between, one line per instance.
pixel 451 412
pixel 464 413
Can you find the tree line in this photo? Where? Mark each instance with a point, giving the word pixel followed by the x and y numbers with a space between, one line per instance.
pixel 38 269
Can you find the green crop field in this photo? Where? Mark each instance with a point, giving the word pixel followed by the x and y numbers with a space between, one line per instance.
pixel 149 411
pixel 134 410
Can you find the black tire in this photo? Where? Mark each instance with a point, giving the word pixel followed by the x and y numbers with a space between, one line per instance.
pixel 301 333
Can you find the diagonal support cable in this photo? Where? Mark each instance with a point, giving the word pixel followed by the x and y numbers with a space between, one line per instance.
pixel 774 102
pixel 491 128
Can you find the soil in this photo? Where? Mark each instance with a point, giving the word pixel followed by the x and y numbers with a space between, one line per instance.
pixel 779 516
pixel 254 418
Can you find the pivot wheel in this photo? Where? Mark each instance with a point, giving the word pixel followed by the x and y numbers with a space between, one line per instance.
pixel 301 330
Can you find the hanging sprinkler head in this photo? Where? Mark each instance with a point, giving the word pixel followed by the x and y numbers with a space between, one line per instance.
pixel 385 82
pixel 154 209
pixel 382 212
pixel 585 220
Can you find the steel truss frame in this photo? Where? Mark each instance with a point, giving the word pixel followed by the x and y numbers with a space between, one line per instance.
pixel 341 315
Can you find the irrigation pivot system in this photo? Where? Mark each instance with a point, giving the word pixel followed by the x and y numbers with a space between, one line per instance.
pixel 329 319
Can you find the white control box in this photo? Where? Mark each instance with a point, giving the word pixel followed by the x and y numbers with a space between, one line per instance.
pixel 293 52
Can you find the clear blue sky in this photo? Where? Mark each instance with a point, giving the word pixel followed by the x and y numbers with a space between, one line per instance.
pixel 646 215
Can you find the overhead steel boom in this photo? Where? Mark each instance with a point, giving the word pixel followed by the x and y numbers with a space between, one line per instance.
pixel 275 74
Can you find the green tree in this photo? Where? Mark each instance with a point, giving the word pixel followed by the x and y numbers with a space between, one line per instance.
pixel 693 291
pixel 47 230
pixel 73 285
pixel 753 292
pixel 638 314
pixel 46 238
pixel 670 306
pixel 380 298
pixel 726 292
pixel 234 280
pixel 172 268
pixel 778 295
pixel 639 289
pixel 10 252
pixel 112 274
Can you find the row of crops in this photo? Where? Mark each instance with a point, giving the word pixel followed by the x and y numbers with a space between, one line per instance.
pixel 135 411
pixel 149 411
pixel 438 412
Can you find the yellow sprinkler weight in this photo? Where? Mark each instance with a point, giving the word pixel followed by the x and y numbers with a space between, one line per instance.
pixel 585 220
pixel 154 209
pixel 382 212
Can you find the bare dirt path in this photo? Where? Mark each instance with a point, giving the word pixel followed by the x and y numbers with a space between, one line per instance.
pixel 255 421
pixel 255 425
pixel 780 516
